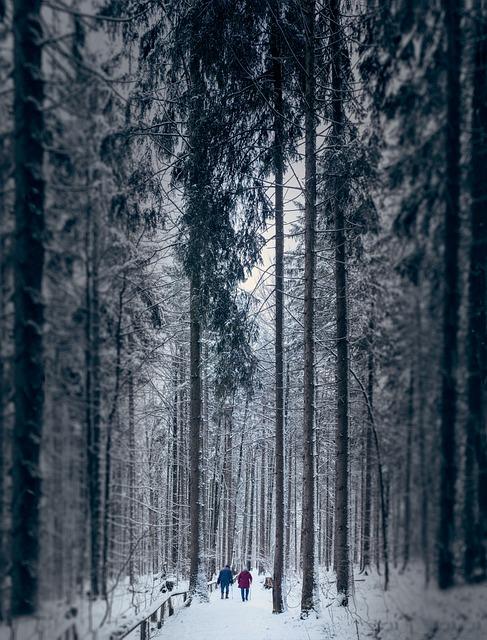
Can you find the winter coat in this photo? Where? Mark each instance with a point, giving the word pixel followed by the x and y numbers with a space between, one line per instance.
pixel 225 577
pixel 244 579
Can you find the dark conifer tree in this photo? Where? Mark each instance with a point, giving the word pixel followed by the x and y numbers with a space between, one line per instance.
pixel 29 314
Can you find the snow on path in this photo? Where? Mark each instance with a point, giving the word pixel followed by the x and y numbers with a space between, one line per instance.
pixel 233 619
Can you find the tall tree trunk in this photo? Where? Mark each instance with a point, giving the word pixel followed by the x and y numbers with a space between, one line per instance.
pixel 288 468
pixel 475 532
pixel 422 446
pixel 245 525
pixel 112 418
pixel 407 476
pixel 93 398
pixel 448 467
pixel 3 401
pixel 197 579
pixel 342 371
pixel 215 502
pixel 28 264
pixel 131 470
pixel 228 484
pixel 277 599
pixel 237 492
pixel 367 511
pixel 262 512
pixel 174 465
pixel 250 547
pixel 309 593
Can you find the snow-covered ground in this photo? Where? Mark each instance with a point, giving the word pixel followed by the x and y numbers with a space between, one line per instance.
pixel 407 611
pixel 233 619
pixel 95 620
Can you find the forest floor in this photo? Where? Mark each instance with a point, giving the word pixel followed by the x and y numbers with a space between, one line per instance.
pixel 233 619
pixel 407 611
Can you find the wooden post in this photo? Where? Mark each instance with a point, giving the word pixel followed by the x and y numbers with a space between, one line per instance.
pixel 143 630
pixel 170 607
pixel 161 615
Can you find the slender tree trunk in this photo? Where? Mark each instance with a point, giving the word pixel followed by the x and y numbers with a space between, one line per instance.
pixel 197 581
pixel 245 526
pixel 28 264
pixel 93 399
pixel 132 493
pixel 328 519
pixel 236 497
pixel 277 597
pixel 342 372
pixel 309 593
pixel 174 465
pixel 407 476
pixel 250 547
pixel 297 554
pixel 288 474
pixel 367 515
pixel 261 529
pixel 422 445
pixel 113 416
pixel 475 531
pixel 384 501
pixel 448 467
pixel 228 483
pixel 3 400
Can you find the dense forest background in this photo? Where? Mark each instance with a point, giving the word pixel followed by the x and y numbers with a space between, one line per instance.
pixel 243 287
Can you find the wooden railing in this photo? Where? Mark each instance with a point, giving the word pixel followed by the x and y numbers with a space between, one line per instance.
pixel 156 614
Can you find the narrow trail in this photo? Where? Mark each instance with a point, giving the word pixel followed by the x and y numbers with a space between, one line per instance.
pixel 233 619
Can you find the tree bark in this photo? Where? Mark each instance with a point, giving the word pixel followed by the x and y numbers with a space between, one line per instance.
pixel 367 510
pixel 407 476
pixel 448 467
pixel 262 477
pixel 197 581
pixel 3 426
pixel 250 545
pixel 28 264
pixel 309 593
pixel 342 371
pixel 131 470
pixel 174 465
pixel 93 399
pixel 422 444
pixel 475 527
pixel 108 449
pixel 277 598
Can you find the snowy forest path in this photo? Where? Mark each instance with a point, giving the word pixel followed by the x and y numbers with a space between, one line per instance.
pixel 233 619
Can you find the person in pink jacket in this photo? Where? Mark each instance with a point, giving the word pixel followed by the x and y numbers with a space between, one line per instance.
pixel 244 580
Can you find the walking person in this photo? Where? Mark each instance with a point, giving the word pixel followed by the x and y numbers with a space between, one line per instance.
pixel 244 580
pixel 225 579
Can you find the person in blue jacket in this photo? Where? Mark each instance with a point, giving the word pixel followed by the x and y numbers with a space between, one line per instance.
pixel 225 579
